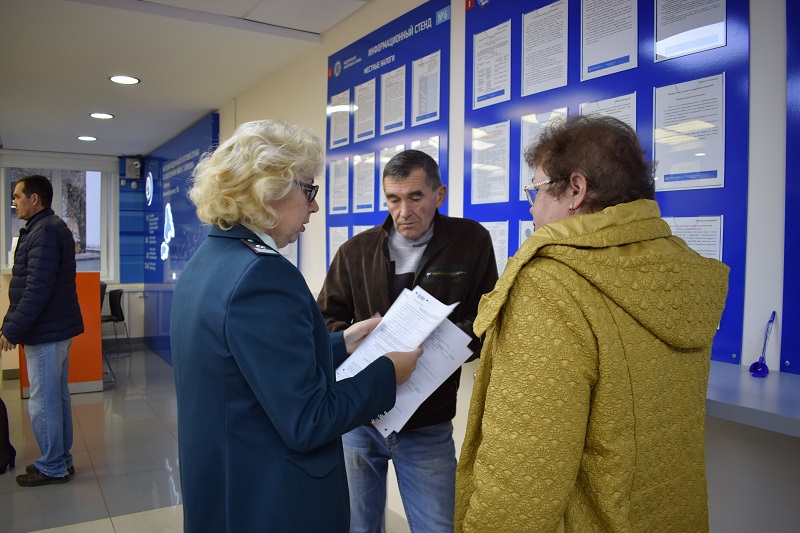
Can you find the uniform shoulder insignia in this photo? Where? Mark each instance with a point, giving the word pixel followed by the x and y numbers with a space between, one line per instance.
pixel 258 248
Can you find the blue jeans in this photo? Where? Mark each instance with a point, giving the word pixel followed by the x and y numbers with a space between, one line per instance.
pixel 49 405
pixel 425 464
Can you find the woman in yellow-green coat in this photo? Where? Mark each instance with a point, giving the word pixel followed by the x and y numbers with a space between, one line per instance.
pixel 589 401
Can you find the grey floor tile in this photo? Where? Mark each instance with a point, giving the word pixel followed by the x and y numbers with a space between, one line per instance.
pixel 136 457
pixel 164 403
pixel 172 424
pixel 32 508
pixel 115 409
pixel 141 491
pixel 97 526
pixel 133 433
pixel 164 520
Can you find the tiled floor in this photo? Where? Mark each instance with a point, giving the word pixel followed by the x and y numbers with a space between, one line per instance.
pixel 126 458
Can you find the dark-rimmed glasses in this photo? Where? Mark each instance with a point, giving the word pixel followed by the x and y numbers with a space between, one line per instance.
pixel 309 190
pixel 533 189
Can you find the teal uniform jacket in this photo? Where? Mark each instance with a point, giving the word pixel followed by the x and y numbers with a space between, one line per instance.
pixel 260 414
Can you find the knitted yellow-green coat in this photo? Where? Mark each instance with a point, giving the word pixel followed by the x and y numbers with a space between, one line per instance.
pixel 589 401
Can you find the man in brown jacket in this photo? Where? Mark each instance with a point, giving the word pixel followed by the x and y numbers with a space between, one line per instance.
pixel 451 258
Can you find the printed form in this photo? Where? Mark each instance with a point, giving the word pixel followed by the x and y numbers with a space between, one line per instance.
pixel 416 318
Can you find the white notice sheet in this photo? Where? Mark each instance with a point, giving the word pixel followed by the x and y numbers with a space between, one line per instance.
pixel 689 136
pixel 622 107
pixel 525 230
pixel 340 119
pixel 358 229
pixel 386 155
pixel 430 146
pixel 491 64
pixel 532 126
pixel 365 111
pixel 337 235
pixel 426 73
pixel 702 234
pixel 393 100
pixel 499 233
pixel 364 183
pixel 687 27
pixel 490 162
pixel 339 190
pixel 609 37
pixel 544 48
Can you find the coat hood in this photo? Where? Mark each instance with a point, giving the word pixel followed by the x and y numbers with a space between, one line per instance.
pixel 629 254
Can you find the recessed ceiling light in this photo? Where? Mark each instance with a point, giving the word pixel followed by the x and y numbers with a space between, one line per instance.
pixel 124 80
pixel 87 138
pixel 102 116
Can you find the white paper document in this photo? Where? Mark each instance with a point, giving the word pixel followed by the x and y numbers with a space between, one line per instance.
pixel 702 234
pixel 544 48
pixel 339 190
pixel 416 318
pixel 490 163
pixel 689 136
pixel 491 63
pixel 340 119
pixel 364 111
pixel 622 107
pixel 609 37
pixel 687 27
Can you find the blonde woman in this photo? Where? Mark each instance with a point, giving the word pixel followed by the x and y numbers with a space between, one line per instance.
pixel 260 414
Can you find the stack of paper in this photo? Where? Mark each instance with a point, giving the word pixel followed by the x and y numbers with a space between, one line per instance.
pixel 416 318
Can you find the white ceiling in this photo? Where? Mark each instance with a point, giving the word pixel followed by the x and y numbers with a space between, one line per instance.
pixel 192 56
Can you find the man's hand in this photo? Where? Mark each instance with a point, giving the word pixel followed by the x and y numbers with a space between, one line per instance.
pixel 5 345
pixel 358 332
pixel 404 363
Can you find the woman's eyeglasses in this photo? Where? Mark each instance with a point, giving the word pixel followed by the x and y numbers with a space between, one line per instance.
pixel 533 189
pixel 309 190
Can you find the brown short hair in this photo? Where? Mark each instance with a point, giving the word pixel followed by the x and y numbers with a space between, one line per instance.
pixel 602 148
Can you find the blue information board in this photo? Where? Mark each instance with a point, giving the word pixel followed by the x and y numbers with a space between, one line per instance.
pixel 387 92
pixel 636 75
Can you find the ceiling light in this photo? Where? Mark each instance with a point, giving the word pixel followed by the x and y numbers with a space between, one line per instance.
pixel 87 138
pixel 102 116
pixel 124 80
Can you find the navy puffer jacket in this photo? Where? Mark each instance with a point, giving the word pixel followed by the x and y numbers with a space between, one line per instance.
pixel 43 299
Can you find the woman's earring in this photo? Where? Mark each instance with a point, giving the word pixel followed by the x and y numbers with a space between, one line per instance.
pixel 571 207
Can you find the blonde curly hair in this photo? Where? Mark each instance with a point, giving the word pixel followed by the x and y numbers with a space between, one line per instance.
pixel 259 163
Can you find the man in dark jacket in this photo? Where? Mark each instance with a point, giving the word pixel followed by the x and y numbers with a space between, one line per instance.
pixel 451 258
pixel 44 316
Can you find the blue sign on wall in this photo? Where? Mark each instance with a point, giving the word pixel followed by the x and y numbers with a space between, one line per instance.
pixel 387 92
pixel 172 232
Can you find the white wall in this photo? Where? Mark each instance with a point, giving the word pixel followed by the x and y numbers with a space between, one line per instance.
pixel 766 199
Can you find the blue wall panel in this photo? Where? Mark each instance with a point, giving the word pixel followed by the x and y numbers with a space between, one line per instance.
pixel 729 201
pixel 171 230
pixel 790 341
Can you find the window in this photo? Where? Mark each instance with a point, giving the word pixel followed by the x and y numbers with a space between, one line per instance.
pixel 85 199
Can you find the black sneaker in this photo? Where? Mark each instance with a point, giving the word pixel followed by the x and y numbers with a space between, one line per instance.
pixel 37 479
pixel 30 469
